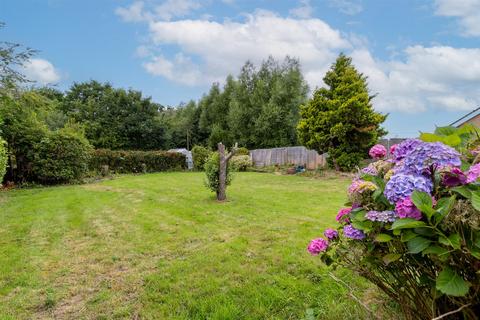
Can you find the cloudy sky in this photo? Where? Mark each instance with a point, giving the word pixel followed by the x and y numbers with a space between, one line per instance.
pixel 422 57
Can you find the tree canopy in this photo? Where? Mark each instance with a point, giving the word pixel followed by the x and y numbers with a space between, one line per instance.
pixel 340 119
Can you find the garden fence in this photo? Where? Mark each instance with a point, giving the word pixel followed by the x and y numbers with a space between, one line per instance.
pixel 299 156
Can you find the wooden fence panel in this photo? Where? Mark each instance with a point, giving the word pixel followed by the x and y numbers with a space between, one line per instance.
pixel 299 156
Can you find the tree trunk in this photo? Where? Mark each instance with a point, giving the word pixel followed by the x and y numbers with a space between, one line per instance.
pixel 222 174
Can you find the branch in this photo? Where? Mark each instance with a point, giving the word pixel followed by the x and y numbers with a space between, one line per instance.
pixel 452 312
pixel 352 295
pixel 232 153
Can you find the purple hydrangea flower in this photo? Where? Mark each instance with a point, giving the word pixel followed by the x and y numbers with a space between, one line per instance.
pixel 404 148
pixel 341 213
pixel 378 151
pixel 402 185
pixel 454 177
pixel 406 209
pixel 370 169
pixel 473 173
pixel 330 233
pixel 381 216
pixel 317 245
pixel 427 154
pixel 350 232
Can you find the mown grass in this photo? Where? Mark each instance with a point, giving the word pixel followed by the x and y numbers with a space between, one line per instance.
pixel 159 246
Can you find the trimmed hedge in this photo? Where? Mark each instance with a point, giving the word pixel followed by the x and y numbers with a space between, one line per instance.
pixel 119 161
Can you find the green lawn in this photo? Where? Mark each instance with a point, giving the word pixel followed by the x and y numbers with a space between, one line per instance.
pixel 159 246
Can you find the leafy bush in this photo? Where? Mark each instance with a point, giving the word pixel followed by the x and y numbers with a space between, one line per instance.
pixel 3 159
pixel 62 156
pixel 240 163
pixel 200 155
pixel 212 171
pixel 136 161
pixel 413 228
pixel 242 152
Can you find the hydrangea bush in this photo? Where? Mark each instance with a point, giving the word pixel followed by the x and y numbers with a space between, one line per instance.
pixel 412 227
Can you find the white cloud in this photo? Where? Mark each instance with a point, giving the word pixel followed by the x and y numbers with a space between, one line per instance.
pixel 41 71
pixel 176 8
pixel 303 11
pixel 133 13
pixel 435 77
pixel 222 48
pixel 168 10
pixel 467 11
pixel 414 80
pixel 350 7
pixel 180 69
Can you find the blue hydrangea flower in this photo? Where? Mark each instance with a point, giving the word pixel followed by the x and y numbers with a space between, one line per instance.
pixel 350 232
pixel 381 216
pixel 402 185
pixel 405 147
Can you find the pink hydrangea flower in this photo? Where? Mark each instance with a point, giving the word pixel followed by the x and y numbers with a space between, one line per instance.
pixel 392 148
pixel 343 212
pixel 473 173
pixel 378 151
pixel 330 233
pixel 317 245
pixel 406 209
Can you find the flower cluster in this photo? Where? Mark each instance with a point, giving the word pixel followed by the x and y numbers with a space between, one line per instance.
pixel 342 214
pixel 378 151
pixel 414 210
pixel 406 209
pixel 317 245
pixel 382 216
pixel 473 173
pixel 350 232
pixel 402 185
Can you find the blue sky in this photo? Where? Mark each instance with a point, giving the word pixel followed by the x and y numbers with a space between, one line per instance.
pixel 421 57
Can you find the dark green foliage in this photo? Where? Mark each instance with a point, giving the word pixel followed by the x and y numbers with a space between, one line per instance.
pixel 3 159
pixel 212 171
pixel 61 156
pixel 259 108
pixel 242 152
pixel 23 130
pixel 200 155
pixel 340 119
pixel 116 118
pixel 136 161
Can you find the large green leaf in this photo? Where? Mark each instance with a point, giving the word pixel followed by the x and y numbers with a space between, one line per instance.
pixel 423 201
pixel 463 191
pixel 443 207
pixel 452 284
pixel 436 250
pixel 453 240
pixel 391 257
pixel 418 244
pixel 445 131
pixel 408 235
pixel 383 237
pixel 407 223
pixel 363 225
pixel 476 200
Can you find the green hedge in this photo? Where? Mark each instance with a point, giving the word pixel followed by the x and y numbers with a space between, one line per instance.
pixel 60 157
pixel 136 161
